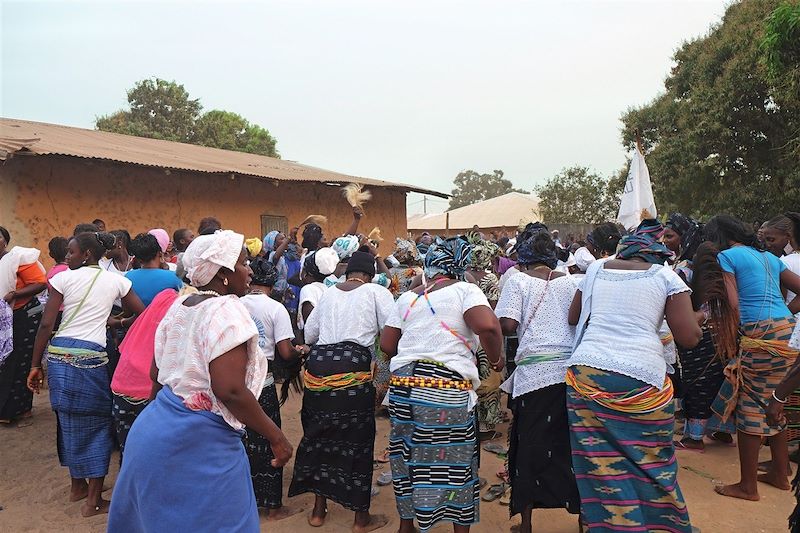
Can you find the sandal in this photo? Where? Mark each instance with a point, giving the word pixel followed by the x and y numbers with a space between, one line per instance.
pixel 724 438
pixel 680 445
pixel 482 482
pixel 489 435
pixel 505 499
pixel 384 479
pixel 494 492
pixel 495 448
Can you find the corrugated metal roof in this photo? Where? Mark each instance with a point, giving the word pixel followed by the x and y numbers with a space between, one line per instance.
pixel 45 139
pixel 507 211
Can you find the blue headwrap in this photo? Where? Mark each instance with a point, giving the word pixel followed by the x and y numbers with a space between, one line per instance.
pixel 643 243
pixel 450 257
pixel 527 255
pixel 269 240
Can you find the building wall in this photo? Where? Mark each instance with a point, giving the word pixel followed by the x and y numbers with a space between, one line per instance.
pixel 45 196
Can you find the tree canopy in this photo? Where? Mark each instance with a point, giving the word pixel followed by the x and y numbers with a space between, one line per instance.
pixel 724 135
pixel 472 187
pixel 161 109
pixel 576 195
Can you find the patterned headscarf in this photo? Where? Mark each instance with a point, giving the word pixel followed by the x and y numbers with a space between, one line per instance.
pixel 269 240
pixel 264 273
pixel 208 253
pixel 406 251
pixel 483 252
pixel 691 233
pixel 312 234
pixel 679 223
pixel 449 257
pixel 525 250
pixel 644 243
pixel 345 246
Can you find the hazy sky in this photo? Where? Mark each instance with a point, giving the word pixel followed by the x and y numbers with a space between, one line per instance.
pixel 410 91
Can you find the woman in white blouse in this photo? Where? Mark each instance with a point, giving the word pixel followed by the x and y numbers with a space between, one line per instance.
pixel 334 458
pixel 431 337
pixel 619 397
pixel 185 465
pixel 534 305
pixel 77 363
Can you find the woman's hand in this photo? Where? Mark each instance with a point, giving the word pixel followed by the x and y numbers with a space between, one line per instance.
pixel 282 451
pixel 35 379
pixel 293 235
pixel 701 317
pixel 498 366
pixel 10 297
pixel 358 213
pixel 302 349
pixel 775 415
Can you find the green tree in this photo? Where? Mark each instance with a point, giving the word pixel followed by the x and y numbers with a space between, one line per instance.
pixel 161 109
pixel 781 57
pixel 471 187
pixel 720 138
pixel 577 195
pixel 229 131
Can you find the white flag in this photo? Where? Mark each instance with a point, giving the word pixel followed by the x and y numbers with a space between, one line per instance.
pixel 637 198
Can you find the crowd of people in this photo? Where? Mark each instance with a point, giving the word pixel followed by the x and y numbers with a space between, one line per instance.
pixel 164 347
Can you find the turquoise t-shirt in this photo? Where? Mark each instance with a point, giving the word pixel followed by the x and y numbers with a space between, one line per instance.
pixel 148 282
pixel 758 278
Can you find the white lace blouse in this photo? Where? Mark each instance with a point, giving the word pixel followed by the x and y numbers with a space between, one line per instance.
pixel 189 338
pixel 355 316
pixel 540 307
pixel 443 337
pixel 626 315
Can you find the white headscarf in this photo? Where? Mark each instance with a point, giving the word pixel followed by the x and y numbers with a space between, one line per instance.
pixel 208 253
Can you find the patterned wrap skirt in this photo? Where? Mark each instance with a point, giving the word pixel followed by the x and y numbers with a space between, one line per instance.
pixel 80 395
pixel 267 480
pixel 624 462
pixel 334 458
pixel 701 377
pixel 15 398
pixel 539 458
pixel 750 379
pixel 433 450
pixel 125 409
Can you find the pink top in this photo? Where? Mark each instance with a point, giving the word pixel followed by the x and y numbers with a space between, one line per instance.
pixel 61 267
pixel 132 375
pixel 55 270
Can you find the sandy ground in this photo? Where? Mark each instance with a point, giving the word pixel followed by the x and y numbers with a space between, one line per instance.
pixel 34 489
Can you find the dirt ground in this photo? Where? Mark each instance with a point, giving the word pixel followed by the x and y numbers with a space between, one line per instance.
pixel 34 489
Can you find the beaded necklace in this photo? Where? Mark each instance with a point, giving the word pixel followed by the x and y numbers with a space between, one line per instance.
pixel 424 294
